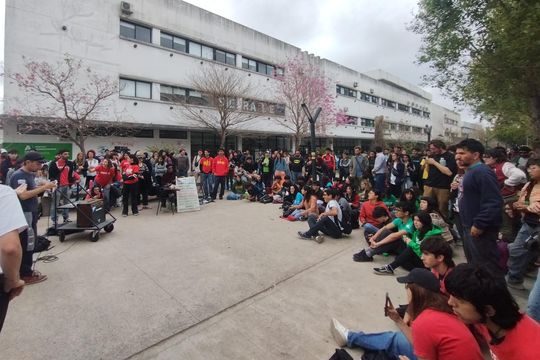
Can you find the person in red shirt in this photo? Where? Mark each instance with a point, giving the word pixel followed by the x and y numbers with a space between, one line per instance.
pixel 207 177
pixel 130 192
pixel 368 221
pixel 330 162
pixel 63 171
pixel 437 256
pixel 220 168
pixel 106 174
pixel 481 299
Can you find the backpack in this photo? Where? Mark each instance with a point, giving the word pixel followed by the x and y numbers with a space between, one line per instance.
pixel 42 244
pixel 346 221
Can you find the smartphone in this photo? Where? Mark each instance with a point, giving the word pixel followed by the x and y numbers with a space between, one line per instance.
pixel 387 305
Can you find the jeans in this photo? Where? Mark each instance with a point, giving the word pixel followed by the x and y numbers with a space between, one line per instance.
pixel 482 250
pixel 60 197
pixel 295 175
pixel 207 184
pixel 220 180
pixel 533 305
pixel 326 225
pixel 27 261
pixel 520 257
pixel 394 343
pixel 379 182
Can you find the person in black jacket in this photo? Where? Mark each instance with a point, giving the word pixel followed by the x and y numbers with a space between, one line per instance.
pixel 64 172
pixel 480 207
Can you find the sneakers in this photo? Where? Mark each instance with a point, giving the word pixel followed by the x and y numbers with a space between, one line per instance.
pixel 67 220
pixel 319 239
pixel 35 278
pixel 514 285
pixel 136 214
pixel 303 236
pixel 362 257
pixel 383 270
pixel 124 215
pixel 145 207
pixel 339 332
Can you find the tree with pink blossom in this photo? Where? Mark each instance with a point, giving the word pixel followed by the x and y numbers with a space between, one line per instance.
pixel 303 82
pixel 66 99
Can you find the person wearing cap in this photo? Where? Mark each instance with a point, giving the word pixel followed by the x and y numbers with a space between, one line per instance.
pixel 435 332
pixel 64 172
pixel 481 299
pixel 32 162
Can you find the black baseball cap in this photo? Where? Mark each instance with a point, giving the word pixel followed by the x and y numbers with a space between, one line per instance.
pixel 421 277
pixel 33 156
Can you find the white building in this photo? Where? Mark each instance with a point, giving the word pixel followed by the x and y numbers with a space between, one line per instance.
pixel 152 47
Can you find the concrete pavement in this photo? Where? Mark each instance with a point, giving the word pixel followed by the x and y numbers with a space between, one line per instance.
pixel 231 281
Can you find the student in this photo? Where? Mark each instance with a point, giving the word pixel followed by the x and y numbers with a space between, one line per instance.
pixel 307 206
pixel 435 332
pixel 410 257
pixel 429 204
pixel 328 222
pixel 409 196
pixel 365 188
pixel 437 256
pixel 95 193
pixel 481 299
pixel 89 167
pixel 354 203
pixel 392 242
pixel 130 191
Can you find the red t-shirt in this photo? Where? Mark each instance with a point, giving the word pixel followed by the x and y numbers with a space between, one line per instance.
pixel 104 175
pixel 520 343
pixel 124 164
pixel 442 279
pixel 206 165
pixel 330 161
pixel 441 336
pixel 366 212
pixel 129 171
pixel 220 166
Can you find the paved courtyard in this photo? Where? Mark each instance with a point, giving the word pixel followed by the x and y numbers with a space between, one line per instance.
pixel 231 281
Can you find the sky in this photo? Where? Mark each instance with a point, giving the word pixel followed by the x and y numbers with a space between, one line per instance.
pixel 360 34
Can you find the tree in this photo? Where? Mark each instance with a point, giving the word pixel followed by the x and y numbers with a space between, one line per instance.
pixel 304 83
pixel 223 89
pixel 486 54
pixel 378 139
pixel 66 99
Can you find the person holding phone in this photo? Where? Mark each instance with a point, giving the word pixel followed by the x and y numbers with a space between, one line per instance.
pixel 435 332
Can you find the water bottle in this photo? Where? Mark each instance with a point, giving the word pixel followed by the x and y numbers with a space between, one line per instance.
pixel 442 161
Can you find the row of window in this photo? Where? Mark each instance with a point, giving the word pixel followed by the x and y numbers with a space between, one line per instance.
pixel 345 91
pixel 402 127
pixel 143 33
pixel 450 121
pixel 353 120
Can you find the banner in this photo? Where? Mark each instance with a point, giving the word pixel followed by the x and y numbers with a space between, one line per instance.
pixel 187 198
pixel 48 150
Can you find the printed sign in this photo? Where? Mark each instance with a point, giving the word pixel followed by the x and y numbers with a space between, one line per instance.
pixel 187 198
pixel 48 150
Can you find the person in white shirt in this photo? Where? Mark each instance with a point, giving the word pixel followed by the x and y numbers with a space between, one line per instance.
pixel 329 222
pixel 13 222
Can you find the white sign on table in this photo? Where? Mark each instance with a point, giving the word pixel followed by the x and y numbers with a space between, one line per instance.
pixel 187 198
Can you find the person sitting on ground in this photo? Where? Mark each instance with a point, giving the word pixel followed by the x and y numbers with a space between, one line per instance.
pixel 481 299
pixel 328 222
pixel 410 196
pixel 437 256
pixel 277 185
pixel 292 201
pixel 389 200
pixel 367 218
pixel 95 193
pixel 365 188
pixel 429 204
pixel 354 202
pixel 307 207
pixel 435 332
pixel 238 189
pixel 382 242
pixel 410 258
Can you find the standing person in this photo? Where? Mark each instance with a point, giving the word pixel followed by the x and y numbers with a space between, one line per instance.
pixel 182 164
pixel 13 223
pixel 442 169
pixel 32 162
pixel 64 172
pixel 529 205
pixel 379 170
pixel 359 166
pixel 220 168
pixel 89 167
pixel 521 160
pixel 345 166
pixel 145 181
pixel 481 299
pixel 416 158
pixel 296 165
pixel 410 171
pixel 397 175
pixel 10 163
pixel 106 174
pixel 330 162
pixel 480 206
pixel 195 168
pixel 266 166
pixel 160 168
pixel 130 191
pixel 207 178
pixel 280 166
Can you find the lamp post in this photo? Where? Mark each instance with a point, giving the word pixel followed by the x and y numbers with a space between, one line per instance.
pixel 428 132
pixel 312 120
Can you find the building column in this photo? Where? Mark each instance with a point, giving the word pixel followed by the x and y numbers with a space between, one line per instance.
pixel 239 142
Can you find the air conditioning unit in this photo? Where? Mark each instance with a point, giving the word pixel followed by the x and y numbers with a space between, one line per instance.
pixel 371 91
pixel 125 7
pixel 355 84
pixel 345 109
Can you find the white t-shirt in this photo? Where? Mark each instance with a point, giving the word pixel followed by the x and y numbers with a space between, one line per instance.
pixel 11 214
pixel 92 163
pixel 334 204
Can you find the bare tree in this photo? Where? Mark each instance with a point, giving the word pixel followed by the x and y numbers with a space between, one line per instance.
pixel 66 99
pixel 304 83
pixel 378 139
pixel 222 89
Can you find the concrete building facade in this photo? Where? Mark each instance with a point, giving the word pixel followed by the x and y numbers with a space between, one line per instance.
pixel 152 47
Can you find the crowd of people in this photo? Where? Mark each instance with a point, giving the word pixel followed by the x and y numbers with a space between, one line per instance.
pixel 416 205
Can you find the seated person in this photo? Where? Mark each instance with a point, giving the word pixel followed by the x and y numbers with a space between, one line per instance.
pixel 95 193
pixel 437 256
pixel 483 300
pixel 168 179
pixel 365 188
pixel 255 188
pixel 367 219
pixel 429 204
pixel 389 200
pixel 409 195
pixel 328 222
pixel 307 207
pixel 277 185
pixel 292 197
pixel 354 202
pixel 410 258
pixel 435 332
pixel 238 189
pixel 393 242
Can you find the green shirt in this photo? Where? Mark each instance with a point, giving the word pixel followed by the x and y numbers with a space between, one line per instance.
pixel 408 226
pixel 415 242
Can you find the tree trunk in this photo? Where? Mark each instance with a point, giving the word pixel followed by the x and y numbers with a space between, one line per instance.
pixel 223 137
pixel 378 139
pixel 297 141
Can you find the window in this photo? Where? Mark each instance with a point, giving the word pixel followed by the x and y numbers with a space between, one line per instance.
pixel 426 114
pixel 374 99
pixel 172 134
pixel 261 68
pixel 416 111
pixel 195 49
pixel 225 57
pixel 136 32
pixel 172 93
pixel 270 70
pixel 342 90
pixel 367 122
pixel 135 88
pixel 388 103
pixel 402 107
pixel 196 98
pixel 207 52
pixel 166 40
pixel 417 129
pixel 230 59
